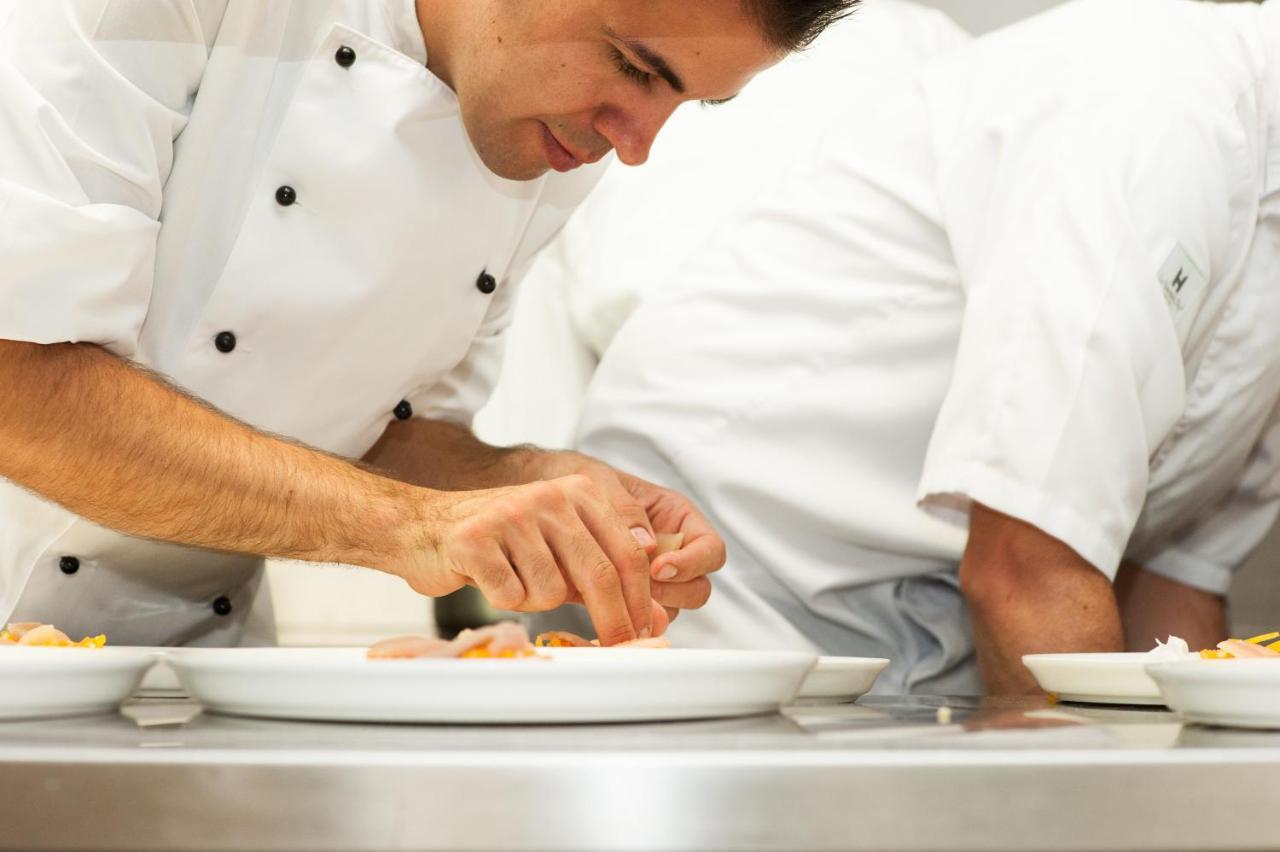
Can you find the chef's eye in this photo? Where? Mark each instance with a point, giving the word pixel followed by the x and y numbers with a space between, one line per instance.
pixel 627 69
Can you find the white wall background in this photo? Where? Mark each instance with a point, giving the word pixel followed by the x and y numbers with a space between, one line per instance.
pixel 329 605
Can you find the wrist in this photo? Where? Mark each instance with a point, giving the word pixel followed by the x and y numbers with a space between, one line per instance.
pixel 526 463
pixel 390 524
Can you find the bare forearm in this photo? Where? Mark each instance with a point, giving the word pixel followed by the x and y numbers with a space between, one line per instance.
pixel 1027 594
pixel 121 448
pixel 1154 607
pixel 446 456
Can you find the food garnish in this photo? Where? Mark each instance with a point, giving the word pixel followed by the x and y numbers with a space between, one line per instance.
pixel 35 634
pixel 505 640
pixel 564 639
pixel 1264 646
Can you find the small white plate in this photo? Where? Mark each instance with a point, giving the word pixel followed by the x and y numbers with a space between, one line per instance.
pixel 1238 693
pixel 842 677
pixel 573 685
pixel 1095 678
pixel 38 682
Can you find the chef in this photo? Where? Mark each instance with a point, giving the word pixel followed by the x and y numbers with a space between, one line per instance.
pixel 246 245
pixel 1011 334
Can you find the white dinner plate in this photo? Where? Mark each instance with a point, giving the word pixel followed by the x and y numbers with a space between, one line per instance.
pixel 845 678
pixel 38 682
pixel 1239 693
pixel 569 685
pixel 1095 678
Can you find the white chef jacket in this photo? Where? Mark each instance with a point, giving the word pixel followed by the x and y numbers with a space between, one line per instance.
pixel 274 205
pixel 1040 275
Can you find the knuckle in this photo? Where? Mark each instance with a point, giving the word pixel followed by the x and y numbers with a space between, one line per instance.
pixel 541 492
pixel 552 594
pixel 602 573
pixel 515 514
pixel 507 595
pixel 581 483
pixel 577 480
pixel 630 561
pixel 488 575
pixel 637 560
pixel 470 533
pixel 614 635
pixel 550 498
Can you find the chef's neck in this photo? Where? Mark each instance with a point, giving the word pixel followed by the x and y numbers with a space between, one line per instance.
pixel 440 25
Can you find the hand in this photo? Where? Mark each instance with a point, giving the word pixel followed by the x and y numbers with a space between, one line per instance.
pixel 531 548
pixel 680 576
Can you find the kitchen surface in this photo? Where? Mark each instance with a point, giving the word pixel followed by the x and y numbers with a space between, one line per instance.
pixel 882 383
pixel 885 773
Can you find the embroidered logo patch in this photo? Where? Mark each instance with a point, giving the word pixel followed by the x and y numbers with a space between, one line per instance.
pixel 1182 281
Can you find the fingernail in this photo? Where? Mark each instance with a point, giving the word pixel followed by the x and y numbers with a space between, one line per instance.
pixel 642 535
pixel 666 572
pixel 645 632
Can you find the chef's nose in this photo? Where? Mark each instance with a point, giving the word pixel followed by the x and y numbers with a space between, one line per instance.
pixel 631 131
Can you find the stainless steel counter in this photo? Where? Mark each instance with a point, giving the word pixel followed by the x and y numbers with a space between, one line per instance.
pixel 885 773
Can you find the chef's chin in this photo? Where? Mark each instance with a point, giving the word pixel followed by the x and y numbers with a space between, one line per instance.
pixel 510 150
pixel 510 157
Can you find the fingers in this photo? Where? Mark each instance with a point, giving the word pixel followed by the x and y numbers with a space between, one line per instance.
pixel 596 581
pixel 544 585
pixel 631 564
pixel 633 514
pixel 491 572
pixel 688 546
pixel 660 618
pixel 533 547
pixel 691 595
pixel 701 555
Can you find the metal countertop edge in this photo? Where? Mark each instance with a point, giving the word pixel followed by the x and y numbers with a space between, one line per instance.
pixel 159 753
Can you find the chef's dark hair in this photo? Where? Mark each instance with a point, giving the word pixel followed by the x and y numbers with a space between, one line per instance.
pixel 794 24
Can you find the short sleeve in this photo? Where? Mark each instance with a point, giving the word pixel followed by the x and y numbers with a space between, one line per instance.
pixel 1070 367
pixel 92 95
pixel 1207 554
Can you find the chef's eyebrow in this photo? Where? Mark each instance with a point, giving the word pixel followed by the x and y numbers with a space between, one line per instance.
pixel 651 58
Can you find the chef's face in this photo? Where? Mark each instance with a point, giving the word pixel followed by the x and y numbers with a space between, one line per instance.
pixel 553 84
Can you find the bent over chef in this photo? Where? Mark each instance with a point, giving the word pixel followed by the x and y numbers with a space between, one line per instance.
pixel 1009 334
pixel 245 244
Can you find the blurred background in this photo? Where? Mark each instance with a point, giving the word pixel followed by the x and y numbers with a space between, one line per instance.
pixel 338 605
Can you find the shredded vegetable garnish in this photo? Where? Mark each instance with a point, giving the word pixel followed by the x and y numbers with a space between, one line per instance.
pixel 34 634
pixel 1264 646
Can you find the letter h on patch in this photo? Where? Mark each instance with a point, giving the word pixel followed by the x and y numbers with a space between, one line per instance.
pixel 1181 281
